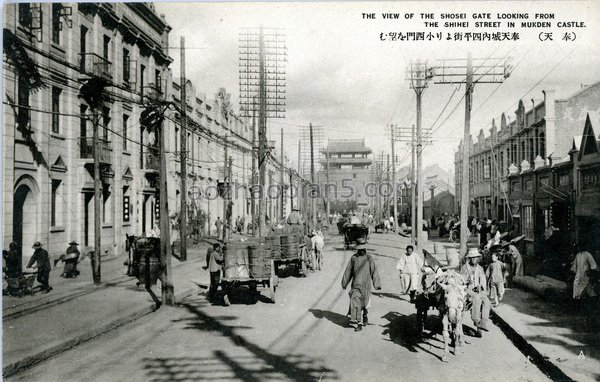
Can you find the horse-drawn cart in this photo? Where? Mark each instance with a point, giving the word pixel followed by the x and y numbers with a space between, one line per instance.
pixel 248 263
pixel 290 247
pixel 353 232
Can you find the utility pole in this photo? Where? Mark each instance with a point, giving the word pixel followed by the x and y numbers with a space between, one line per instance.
pixel 225 190
pixel 413 204
pixel 387 181
pixel 418 73
pixel 327 185
pixel 229 209
pixel 252 194
pixel 96 271
pixel 497 70
pixel 183 208
pixel 255 57
pixel 394 190
pixel 312 177
pixel 281 181
pixel 168 293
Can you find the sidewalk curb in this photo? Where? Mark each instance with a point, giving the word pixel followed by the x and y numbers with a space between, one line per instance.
pixel 32 360
pixel 529 351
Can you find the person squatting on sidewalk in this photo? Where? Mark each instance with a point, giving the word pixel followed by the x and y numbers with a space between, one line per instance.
pixel 474 274
pixel 42 260
pixel 70 258
pixel 410 265
pixel 362 272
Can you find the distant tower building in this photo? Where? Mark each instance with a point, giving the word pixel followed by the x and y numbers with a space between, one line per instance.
pixel 349 170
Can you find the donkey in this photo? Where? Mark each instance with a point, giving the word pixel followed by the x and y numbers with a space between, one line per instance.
pixel 452 311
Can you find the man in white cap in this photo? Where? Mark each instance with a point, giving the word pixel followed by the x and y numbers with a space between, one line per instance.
pixel 474 275
pixel 362 272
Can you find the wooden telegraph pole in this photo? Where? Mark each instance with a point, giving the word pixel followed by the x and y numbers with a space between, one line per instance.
pixel 453 72
pixel 418 74
pixel 168 292
pixel 281 179
pixel 394 190
pixel 183 134
pixel 98 196
pixel 225 189
pixel 312 178
pixel 413 204
pixel 254 179
pixel 255 57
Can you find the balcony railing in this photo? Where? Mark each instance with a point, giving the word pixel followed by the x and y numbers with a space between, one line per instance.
pixel 87 149
pixel 94 65
pixel 152 162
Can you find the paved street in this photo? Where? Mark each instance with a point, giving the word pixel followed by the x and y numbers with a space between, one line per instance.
pixel 301 337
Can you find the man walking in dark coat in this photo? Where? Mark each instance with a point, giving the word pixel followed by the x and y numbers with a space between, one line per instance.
pixel 362 272
pixel 41 257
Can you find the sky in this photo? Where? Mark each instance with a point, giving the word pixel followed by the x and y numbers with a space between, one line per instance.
pixel 341 76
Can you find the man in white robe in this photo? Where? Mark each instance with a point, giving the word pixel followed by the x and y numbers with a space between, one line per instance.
pixel 410 265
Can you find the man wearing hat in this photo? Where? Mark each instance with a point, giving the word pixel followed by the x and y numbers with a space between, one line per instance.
pixel 474 275
pixel 40 256
pixel 362 272
pixel 70 258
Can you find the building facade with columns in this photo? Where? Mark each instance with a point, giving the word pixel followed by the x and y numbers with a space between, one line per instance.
pixel 48 192
pixel 513 169
pixel 212 128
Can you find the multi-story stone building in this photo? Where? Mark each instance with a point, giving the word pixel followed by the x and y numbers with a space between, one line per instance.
pixel 212 125
pixel 47 162
pixel 504 165
pixel 48 185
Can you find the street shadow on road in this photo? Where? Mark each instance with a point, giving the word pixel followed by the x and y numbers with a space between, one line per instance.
pixel 402 330
pixel 336 318
pixel 390 295
pixel 253 364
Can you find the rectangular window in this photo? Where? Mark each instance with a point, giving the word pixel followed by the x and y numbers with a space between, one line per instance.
pixel 82 121
pixel 105 123
pixel 590 179
pixel 527 218
pixel 528 184
pixel 544 181
pixel 126 64
pixel 124 132
pixel 514 186
pixel 486 171
pixel 56 24
pixel 106 207
pixel 24 112
pixel 142 72
pixel 563 180
pixel 55 203
pixel 106 48
pixel 25 15
pixel 82 47
pixel 56 109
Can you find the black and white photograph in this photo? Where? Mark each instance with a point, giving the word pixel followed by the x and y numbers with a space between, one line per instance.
pixel 301 191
